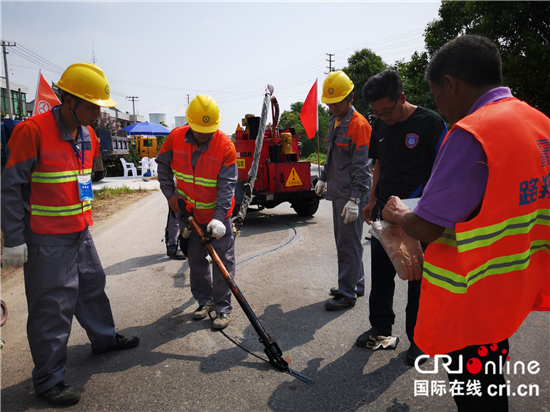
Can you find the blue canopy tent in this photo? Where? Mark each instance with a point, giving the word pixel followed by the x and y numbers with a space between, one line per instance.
pixel 147 129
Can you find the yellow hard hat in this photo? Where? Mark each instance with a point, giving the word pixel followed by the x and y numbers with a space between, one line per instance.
pixel 203 114
pixel 336 87
pixel 87 81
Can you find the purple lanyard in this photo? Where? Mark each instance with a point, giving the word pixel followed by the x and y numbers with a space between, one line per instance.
pixel 76 150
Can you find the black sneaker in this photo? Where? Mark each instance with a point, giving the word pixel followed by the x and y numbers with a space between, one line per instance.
pixel 61 394
pixel 120 343
pixel 413 353
pixel 339 302
pixel 334 292
pixel 366 337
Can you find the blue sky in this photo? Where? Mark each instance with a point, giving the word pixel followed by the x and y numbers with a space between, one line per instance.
pixel 164 51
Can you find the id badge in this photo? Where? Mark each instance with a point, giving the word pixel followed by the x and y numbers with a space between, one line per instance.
pixel 85 187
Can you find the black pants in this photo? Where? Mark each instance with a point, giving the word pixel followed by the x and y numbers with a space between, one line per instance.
pixel 383 273
pixel 485 402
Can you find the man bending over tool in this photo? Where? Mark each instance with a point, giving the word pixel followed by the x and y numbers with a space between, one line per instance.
pixel 204 161
pixel 347 178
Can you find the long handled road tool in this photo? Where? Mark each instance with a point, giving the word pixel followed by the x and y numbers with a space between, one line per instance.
pixel 272 350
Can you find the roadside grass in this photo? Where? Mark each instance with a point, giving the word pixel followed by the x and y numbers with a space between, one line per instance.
pixel 110 192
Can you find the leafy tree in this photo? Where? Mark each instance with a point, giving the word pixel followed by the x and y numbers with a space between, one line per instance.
pixel 362 65
pixel 292 119
pixel 415 86
pixel 520 29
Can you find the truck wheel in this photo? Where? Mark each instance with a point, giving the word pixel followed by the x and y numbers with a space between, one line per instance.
pixel 99 175
pixel 306 207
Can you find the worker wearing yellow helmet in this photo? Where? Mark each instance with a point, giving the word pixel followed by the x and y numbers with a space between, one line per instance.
pixel 347 181
pixel 46 211
pixel 204 161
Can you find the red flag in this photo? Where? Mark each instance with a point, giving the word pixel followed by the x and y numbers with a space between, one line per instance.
pixel 45 97
pixel 308 116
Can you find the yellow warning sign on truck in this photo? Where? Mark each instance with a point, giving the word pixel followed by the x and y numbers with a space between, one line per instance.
pixel 240 164
pixel 293 179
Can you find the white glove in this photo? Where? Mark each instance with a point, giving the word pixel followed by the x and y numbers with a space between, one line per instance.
pixel 15 256
pixel 320 188
pixel 217 228
pixel 350 212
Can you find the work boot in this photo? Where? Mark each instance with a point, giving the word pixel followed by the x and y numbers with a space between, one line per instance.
pixel 176 254
pixel 372 339
pixel 413 353
pixel 339 302
pixel 61 394
pixel 202 311
pixel 120 343
pixel 366 337
pixel 334 292
pixel 221 321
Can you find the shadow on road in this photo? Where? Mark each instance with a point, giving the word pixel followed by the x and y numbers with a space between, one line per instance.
pixel 133 264
pixel 291 329
pixel 82 365
pixel 341 385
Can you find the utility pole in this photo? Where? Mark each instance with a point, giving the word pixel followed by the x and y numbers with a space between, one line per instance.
pixel 188 99
pixel 134 99
pixel 330 61
pixel 93 53
pixel 8 89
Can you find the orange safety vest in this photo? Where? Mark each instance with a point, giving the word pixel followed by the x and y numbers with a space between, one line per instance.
pixel 481 280
pixel 199 187
pixel 55 200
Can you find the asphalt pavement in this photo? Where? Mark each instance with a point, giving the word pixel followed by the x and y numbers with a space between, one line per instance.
pixel 286 265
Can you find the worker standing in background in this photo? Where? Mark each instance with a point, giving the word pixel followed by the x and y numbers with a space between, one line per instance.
pixel 347 180
pixel 46 211
pixel 204 162
pixel 487 266
pixel 171 236
pixel 405 141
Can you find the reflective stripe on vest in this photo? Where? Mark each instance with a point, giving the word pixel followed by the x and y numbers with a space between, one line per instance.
pixel 55 200
pixel 481 280
pixel 58 177
pixel 199 186
pixel 61 210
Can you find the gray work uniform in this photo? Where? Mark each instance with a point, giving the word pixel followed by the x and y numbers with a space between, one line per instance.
pixel 172 230
pixel 206 286
pixel 347 174
pixel 63 274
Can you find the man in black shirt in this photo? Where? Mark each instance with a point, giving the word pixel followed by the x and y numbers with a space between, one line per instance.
pixel 405 141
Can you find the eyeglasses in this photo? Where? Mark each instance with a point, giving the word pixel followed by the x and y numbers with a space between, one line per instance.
pixel 386 114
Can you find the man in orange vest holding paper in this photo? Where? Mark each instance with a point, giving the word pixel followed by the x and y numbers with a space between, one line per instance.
pixel 488 262
pixel 46 211
pixel 204 161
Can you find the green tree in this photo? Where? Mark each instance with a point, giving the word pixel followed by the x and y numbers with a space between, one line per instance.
pixel 362 65
pixel 292 119
pixel 414 84
pixel 520 29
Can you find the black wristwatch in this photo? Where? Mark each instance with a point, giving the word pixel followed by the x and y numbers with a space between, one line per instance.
pixel 355 199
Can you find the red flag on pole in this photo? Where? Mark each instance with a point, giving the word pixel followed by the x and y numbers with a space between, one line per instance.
pixel 308 116
pixel 45 97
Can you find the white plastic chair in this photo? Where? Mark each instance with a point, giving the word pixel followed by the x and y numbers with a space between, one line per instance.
pixel 153 166
pixel 144 165
pixel 128 167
